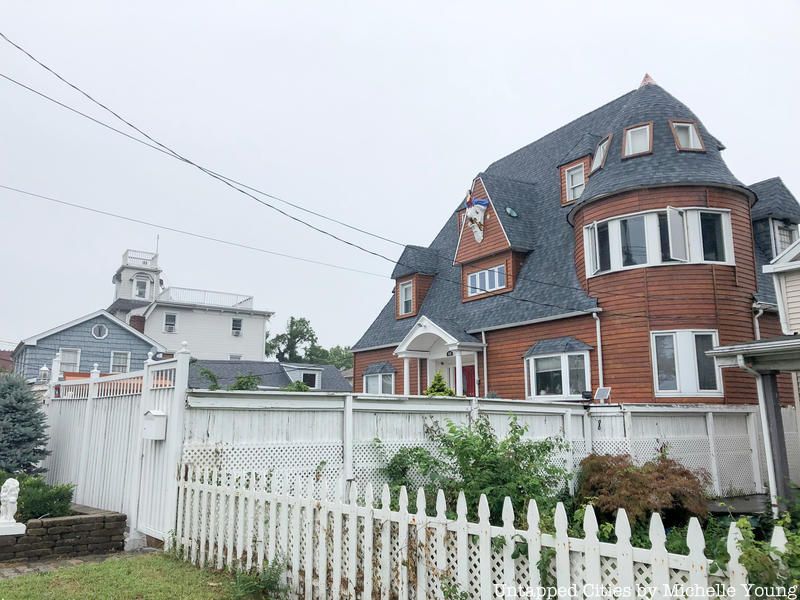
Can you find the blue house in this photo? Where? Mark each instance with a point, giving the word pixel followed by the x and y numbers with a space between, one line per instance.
pixel 97 338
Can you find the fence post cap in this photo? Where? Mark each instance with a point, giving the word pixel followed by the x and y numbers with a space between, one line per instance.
pixel 95 372
pixel 184 348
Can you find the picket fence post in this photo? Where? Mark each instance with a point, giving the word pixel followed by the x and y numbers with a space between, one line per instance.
pixel 484 547
pixel 322 564
pixel 591 551
pixel 737 574
pixel 422 539
pixel 509 574
pixel 698 563
pixel 402 538
pixel 659 558
pixel 622 529
pixel 534 539
pixel 174 442
pixel 441 532
pixel 369 516
pixel 386 541
pixel 462 542
pixel 562 551
pixel 136 539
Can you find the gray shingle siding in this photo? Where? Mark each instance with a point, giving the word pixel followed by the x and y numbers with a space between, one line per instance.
pixel 31 358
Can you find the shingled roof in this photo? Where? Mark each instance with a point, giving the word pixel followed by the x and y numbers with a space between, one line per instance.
pixel 528 182
pixel 774 200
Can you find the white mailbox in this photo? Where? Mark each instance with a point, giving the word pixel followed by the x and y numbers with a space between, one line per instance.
pixel 154 425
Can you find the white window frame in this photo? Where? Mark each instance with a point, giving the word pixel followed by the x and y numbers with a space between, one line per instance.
pixel 685 364
pixel 572 195
pixel 688 238
pixel 78 359
pixel 127 362
pixel 626 143
pixel 530 367
pixel 475 289
pixel 600 154
pixel 100 337
pixel 401 290
pixel 317 378
pixel 136 280
pixel 380 391
pixel 233 326
pixel 776 226
pixel 695 141
pixel 175 326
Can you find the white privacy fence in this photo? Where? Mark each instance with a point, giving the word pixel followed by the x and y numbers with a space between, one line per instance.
pixel 96 440
pixel 361 548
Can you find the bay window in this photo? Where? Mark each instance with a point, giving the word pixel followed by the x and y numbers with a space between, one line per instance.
pixel 651 238
pixel 563 375
pixel 680 365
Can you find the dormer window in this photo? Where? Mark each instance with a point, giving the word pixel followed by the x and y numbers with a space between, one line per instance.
pixel 406 300
pixel 687 136
pixel 784 234
pixel 575 182
pixel 140 287
pixel 638 140
pixel 600 154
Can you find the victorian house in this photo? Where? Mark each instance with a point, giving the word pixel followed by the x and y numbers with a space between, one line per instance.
pixel 603 260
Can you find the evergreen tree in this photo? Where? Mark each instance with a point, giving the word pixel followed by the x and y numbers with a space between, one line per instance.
pixel 23 439
pixel 438 387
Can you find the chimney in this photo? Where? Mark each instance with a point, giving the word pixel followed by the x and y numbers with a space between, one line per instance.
pixel 137 322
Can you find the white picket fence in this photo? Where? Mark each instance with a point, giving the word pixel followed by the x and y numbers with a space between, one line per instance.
pixel 332 548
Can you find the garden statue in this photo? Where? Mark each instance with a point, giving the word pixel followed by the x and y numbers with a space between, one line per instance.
pixel 8 508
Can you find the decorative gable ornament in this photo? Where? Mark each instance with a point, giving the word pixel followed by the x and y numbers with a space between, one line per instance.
pixel 476 212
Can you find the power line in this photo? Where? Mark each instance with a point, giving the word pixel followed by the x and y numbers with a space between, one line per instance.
pixel 234 186
pixel 189 233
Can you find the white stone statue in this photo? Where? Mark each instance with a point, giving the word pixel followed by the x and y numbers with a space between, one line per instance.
pixel 8 508
pixel 8 500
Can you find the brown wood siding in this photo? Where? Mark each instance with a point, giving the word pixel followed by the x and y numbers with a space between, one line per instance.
pixel 419 289
pixel 562 172
pixel 361 360
pixel 494 238
pixel 638 301
pixel 507 347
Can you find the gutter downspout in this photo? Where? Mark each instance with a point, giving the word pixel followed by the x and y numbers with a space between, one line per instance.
pixel 762 413
pixel 485 366
pixel 756 326
pixel 599 349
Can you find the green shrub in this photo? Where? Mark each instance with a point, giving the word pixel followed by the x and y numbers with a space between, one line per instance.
pixel 39 499
pixel 245 382
pixel 472 458
pixel 267 585
pixel 438 387
pixel 296 386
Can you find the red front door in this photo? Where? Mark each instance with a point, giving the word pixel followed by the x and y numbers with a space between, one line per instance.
pixel 468 373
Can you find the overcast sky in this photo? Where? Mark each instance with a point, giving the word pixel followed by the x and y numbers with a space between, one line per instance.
pixel 379 114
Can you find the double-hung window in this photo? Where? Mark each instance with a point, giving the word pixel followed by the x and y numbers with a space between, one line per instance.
pixel 559 375
pixel 680 365
pixel 379 383
pixel 687 136
pixel 70 360
pixel 120 362
pixel 575 182
pixel 488 280
pixel 784 235
pixel 406 291
pixel 236 327
pixel 638 140
pixel 170 323
pixel 140 285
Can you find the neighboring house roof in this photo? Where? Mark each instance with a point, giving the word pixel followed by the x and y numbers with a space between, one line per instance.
pixel 774 200
pixel 272 374
pixel 32 341
pixel 6 360
pixel 126 305
pixel 557 345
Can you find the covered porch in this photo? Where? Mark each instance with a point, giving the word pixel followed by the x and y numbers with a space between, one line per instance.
pixel 459 356
pixel 764 359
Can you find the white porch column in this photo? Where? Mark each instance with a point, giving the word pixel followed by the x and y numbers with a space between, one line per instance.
pixel 406 376
pixel 459 374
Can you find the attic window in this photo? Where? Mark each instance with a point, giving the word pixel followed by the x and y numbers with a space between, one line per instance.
pixel 638 140
pixel 575 182
pixel 600 154
pixel 406 290
pixel 687 137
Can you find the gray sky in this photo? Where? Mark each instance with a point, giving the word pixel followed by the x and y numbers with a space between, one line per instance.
pixel 379 114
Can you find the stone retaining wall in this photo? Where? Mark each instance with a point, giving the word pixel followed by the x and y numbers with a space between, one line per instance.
pixel 93 533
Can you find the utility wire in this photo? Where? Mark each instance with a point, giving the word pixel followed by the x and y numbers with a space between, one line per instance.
pixel 189 233
pixel 236 187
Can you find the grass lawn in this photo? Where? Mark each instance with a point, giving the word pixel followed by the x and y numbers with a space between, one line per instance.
pixel 148 576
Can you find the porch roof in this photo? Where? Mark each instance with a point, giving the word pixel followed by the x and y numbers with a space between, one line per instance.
pixel 781 353
pixel 557 345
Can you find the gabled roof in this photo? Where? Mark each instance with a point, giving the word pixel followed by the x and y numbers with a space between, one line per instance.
pixel 528 183
pixel 32 341
pixel 774 200
pixel 271 374
pixel 416 259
